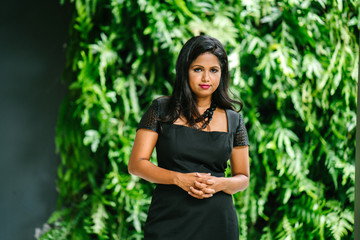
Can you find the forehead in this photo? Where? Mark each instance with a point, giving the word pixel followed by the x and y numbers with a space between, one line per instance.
pixel 206 59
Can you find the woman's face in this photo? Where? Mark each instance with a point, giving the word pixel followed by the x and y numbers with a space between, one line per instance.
pixel 204 75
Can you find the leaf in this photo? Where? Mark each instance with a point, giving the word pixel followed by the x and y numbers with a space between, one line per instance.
pixel 99 217
pixel 92 137
pixel 293 63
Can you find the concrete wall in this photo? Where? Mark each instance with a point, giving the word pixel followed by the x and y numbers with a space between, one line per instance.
pixel 32 58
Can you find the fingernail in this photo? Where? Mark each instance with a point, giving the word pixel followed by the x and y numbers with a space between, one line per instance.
pixel 208 173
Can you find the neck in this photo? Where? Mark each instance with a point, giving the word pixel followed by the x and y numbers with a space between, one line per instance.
pixel 203 102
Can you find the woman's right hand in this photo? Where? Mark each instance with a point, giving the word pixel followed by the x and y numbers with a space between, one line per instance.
pixel 186 181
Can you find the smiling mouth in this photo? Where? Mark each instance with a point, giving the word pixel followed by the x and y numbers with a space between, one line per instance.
pixel 205 86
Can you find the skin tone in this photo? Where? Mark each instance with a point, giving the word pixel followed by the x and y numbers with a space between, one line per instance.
pixel 204 79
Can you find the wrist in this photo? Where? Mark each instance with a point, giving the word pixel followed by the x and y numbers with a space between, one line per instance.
pixel 175 178
pixel 222 184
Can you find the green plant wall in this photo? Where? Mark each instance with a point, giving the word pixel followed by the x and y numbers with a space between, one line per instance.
pixel 293 63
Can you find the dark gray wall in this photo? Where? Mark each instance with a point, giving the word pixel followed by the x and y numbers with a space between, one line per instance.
pixel 32 58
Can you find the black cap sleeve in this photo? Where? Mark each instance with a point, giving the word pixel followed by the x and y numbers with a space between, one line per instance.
pixel 150 119
pixel 241 136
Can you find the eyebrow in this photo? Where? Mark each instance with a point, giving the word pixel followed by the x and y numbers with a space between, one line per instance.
pixel 203 66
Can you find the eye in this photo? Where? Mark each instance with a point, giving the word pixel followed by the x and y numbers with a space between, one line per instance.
pixel 214 70
pixel 197 69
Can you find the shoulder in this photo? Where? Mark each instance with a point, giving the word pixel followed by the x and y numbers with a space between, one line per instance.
pixel 158 104
pixel 235 119
pixel 150 119
pixel 233 114
pixel 162 104
pixel 162 100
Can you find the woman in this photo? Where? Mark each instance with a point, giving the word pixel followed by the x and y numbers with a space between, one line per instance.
pixel 195 132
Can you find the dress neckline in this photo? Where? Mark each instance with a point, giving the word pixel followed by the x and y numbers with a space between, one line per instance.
pixel 198 130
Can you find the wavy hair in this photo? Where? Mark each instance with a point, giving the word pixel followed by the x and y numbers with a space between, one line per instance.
pixel 183 101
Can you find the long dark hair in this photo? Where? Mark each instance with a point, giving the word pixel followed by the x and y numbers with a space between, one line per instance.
pixel 183 101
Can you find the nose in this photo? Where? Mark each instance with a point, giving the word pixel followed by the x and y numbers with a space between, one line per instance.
pixel 206 76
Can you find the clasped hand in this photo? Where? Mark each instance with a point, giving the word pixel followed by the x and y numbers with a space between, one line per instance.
pixel 200 185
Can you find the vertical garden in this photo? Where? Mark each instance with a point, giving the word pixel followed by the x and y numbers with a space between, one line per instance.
pixel 293 63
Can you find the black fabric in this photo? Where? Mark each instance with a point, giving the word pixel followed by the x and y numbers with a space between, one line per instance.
pixel 173 213
pixel 150 119
pixel 241 136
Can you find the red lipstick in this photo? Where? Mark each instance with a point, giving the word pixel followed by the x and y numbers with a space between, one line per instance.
pixel 204 86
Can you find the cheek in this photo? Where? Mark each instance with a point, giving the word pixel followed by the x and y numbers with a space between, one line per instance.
pixel 217 80
pixel 217 85
pixel 192 76
pixel 192 81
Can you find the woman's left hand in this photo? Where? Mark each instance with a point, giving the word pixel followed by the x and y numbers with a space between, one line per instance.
pixel 207 184
pixel 239 161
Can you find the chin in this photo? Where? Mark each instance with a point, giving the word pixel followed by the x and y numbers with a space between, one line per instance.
pixel 204 95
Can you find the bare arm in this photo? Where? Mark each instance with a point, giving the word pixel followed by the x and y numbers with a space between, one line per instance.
pixel 140 165
pixel 240 171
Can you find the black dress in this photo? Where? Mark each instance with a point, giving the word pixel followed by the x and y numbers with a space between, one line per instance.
pixel 173 213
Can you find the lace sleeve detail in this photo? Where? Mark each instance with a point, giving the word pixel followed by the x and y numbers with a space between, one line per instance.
pixel 150 119
pixel 241 136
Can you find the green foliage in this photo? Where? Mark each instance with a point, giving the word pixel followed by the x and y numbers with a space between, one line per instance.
pixel 294 65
